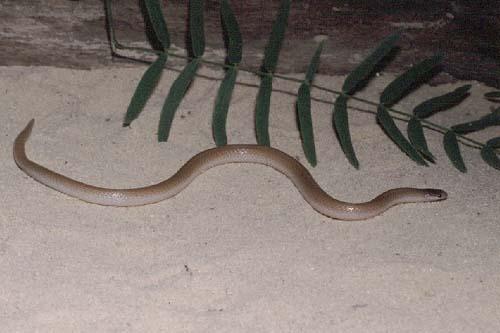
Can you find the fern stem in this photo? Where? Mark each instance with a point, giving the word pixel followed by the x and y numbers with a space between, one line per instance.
pixel 115 45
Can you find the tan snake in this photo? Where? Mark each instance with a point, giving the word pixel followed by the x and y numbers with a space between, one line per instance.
pixel 207 159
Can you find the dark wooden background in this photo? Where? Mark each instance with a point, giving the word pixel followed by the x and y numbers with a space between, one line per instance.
pixel 72 34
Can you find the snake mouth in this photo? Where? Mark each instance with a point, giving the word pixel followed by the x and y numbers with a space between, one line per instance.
pixel 433 194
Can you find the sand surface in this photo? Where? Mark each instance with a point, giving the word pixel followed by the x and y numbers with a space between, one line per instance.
pixel 238 250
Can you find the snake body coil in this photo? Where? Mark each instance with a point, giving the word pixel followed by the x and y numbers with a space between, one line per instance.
pixel 207 159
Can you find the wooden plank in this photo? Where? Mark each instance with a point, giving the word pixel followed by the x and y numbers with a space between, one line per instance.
pixel 72 34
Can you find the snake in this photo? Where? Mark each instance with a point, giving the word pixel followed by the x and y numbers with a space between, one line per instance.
pixel 237 153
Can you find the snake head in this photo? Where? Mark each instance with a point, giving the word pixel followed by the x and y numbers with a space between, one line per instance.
pixel 432 194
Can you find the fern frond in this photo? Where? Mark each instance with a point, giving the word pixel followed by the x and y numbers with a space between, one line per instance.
pixel 340 122
pixel 366 68
pixel 232 31
pixel 452 149
pixel 489 156
pixel 262 110
pixel 488 153
pixel 314 64
pixel 492 119
pixel 222 106
pixel 417 138
pixel 352 83
pixel 396 90
pixel 174 98
pixel 395 134
pixel 144 89
pixel 428 108
pixel 385 113
pixel 304 108
pixel 234 51
pixel 157 20
pixel 273 46
pixel 271 54
pixel 443 102
pixel 196 27
pixel 417 74
pixel 305 123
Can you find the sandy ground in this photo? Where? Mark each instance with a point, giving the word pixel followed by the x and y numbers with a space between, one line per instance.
pixel 239 250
